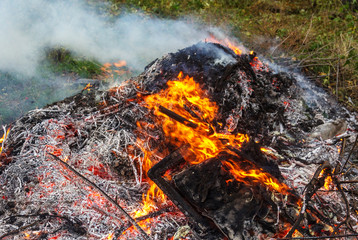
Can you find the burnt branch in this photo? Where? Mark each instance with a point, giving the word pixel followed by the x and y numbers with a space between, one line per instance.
pixel 177 117
pixel 320 237
pixel 86 180
pixel 43 217
pixel 21 229
pixel 350 153
pixel 310 190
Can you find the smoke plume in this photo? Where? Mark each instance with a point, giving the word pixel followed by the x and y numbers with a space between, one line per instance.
pixel 29 27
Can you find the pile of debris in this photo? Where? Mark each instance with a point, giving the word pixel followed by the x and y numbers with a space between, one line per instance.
pixel 204 144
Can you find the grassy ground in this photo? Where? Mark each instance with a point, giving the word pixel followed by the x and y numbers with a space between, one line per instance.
pixel 319 36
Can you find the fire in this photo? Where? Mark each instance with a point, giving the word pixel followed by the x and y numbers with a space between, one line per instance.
pixel 154 193
pixel 193 113
pixel 186 98
pixel 3 138
pixel 327 182
pixel 117 69
pixel 255 175
pixel 225 42
pixel 148 203
pixel 88 86
pixel 110 236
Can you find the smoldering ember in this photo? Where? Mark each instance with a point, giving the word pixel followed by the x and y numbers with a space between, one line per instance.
pixel 206 143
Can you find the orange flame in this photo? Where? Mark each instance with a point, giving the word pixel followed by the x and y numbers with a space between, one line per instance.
pixel 204 141
pixel 226 42
pixel 327 182
pixel 186 98
pixel 110 236
pixel 88 86
pixel 116 69
pixel 154 193
pixel 255 175
pixel 3 138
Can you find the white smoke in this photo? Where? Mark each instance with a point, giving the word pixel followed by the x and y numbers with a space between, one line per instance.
pixel 27 28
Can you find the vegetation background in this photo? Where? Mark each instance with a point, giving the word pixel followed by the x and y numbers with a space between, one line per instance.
pixel 319 37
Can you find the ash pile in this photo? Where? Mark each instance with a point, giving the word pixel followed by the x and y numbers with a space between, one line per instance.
pixel 204 144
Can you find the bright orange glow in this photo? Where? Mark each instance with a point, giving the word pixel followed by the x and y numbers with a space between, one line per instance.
pixel 226 42
pixel 110 236
pixel 265 150
pixel 148 202
pixel 120 63
pixel 3 138
pixel 255 175
pixel 154 194
pixel 327 182
pixel 187 99
pixel 54 150
pixel 116 69
pixel 204 141
pixel 88 86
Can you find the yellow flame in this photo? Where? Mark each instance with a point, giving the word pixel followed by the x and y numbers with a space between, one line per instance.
pixel 110 236
pixel 255 175
pixel 3 138
pixel 327 182
pixel 204 141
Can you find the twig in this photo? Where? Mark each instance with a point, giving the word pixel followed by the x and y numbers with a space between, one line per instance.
pixel 154 214
pixel 177 117
pixel 142 218
pixel 310 189
pixel 350 153
pixel 20 229
pixel 348 182
pixel 319 237
pixel 337 79
pixel 130 219
pixel 336 169
pixel 272 52
pixel 346 203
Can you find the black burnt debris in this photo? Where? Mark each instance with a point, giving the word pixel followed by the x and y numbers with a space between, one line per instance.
pixel 77 169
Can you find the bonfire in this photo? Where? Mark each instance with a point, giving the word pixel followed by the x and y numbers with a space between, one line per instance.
pixel 207 143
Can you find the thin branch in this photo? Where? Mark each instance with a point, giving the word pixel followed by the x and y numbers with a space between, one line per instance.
pixel 310 190
pixel 350 153
pixel 130 219
pixel 319 237
pixel 337 80
pixel 346 219
pixel 21 229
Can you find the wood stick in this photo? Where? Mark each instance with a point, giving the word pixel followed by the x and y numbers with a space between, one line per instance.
pixel 130 219
pixel 320 237
pixel 177 117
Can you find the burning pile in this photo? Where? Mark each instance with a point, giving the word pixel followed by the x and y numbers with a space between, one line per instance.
pixel 206 137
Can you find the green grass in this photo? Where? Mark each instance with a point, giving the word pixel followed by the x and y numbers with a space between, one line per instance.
pixel 319 34
pixel 61 61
